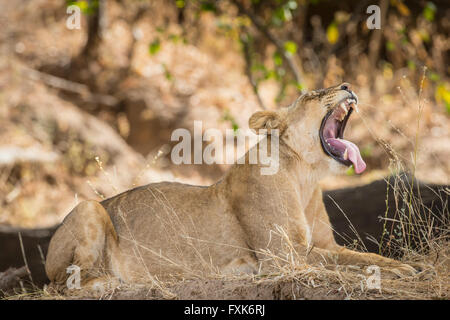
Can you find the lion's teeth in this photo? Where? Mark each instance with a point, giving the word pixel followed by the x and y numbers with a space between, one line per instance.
pixel 345 154
pixel 342 105
pixel 355 106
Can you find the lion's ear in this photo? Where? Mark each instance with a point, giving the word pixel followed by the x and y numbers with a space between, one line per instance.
pixel 267 120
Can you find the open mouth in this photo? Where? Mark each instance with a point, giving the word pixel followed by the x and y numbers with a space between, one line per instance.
pixel 331 134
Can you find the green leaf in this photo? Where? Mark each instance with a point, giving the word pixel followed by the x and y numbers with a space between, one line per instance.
pixel 424 35
pixel 277 59
pixel 390 46
pixel 411 65
pixel 270 74
pixel 366 151
pixel 154 47
pixel 259 67
pixel 442 95
pixel 278 17
pixel 350 171
pixel 180 3
pixel 227 116
pixel 429 11
pixel 85 6
pixel 167 73
pixel 332 33
pixel 433 76
pixel 208 6
pixel 290 47
pixel 174 38
pixel 299 86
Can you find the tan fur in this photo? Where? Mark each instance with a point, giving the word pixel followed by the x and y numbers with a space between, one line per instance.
pixel 170 229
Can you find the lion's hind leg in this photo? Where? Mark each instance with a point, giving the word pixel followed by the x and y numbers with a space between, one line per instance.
pixel 80 241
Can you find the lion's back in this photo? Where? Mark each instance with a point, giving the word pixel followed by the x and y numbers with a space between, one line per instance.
pixel 188 224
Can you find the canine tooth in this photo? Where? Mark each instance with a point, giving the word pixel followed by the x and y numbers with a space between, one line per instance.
pixel 345 154
pixel 342 105
pixel 355 106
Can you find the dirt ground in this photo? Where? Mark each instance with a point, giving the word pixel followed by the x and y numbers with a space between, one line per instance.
pixel 300 282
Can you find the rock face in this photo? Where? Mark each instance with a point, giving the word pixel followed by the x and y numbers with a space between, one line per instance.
pixel 383 204
pixel 35 243
pixel 53 154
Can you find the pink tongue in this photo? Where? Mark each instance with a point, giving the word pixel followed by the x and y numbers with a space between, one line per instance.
pixel 352 152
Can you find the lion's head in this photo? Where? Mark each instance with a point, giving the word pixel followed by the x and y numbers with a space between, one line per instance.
pixel 313 127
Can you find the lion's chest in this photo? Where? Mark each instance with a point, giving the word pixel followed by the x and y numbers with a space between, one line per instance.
pixel 301 191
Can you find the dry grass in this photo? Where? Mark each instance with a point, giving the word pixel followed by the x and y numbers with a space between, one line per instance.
pixel 292 281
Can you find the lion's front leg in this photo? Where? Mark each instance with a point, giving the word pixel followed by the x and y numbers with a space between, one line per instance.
pixel 326 249
pixel 343 256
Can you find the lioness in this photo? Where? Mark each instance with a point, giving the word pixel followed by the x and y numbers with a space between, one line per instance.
pixel 165 229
